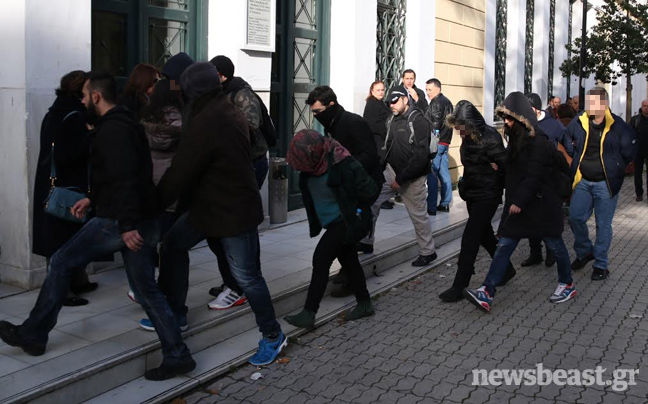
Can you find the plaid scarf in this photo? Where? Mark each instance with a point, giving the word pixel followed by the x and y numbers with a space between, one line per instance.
pixel 309 151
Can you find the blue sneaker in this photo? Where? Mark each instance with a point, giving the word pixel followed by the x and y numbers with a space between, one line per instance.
pixel 479 298
pixel 563 293
pixel 147 324
pixel 268 350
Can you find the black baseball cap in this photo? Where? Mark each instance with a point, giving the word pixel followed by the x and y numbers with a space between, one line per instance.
pixel 395 93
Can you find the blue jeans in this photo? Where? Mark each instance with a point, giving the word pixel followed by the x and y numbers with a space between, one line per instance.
pixel 242 254
pixel 99 237
pixel 505 248
pixel 592 197
pixel 440 172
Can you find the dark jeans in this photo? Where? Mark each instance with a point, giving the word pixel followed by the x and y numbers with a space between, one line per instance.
pixel 241 253
pixel 97 238
pixel 478 231
pixel 260 171
pixel 505 248
pixel 329 248
pixel 640 160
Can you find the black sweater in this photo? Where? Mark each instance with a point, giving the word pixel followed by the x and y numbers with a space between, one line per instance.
pixel 121 184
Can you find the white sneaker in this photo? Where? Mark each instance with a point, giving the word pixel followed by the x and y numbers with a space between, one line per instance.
pixel 131 296
pixel 226 299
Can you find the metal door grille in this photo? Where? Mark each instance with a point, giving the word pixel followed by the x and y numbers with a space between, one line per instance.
pixel 390 44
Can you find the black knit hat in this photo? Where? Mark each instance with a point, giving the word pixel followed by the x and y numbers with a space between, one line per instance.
pixel 176 65
pixel 395 93
pixel 224 65
pixel 199 79
pixel 517 106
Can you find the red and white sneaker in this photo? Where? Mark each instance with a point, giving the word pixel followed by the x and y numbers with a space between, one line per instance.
pixel 131 296
pixel 226 299
pixel 480 298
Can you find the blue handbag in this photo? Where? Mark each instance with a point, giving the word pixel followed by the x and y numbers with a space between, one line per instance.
pixel 60 200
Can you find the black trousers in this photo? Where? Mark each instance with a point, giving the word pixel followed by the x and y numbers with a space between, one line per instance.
pixel 478 231
pixel 329 248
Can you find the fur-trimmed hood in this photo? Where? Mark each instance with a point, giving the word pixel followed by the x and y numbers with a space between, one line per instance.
pixel 517 106
pixel 468 116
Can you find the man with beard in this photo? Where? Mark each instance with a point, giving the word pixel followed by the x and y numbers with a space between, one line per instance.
pixel 354 133
pixel 407 164
pixel 123 198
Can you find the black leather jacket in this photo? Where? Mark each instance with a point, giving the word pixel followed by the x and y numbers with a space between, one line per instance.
pixel 436 112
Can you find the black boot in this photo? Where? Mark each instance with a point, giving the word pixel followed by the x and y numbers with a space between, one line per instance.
pixel 451 295
pixel 534 259
pixel 550 259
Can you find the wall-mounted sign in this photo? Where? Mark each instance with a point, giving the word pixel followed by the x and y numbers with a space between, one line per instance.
pixel 260 25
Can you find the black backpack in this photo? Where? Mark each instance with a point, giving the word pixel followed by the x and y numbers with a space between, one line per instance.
pixel 266 126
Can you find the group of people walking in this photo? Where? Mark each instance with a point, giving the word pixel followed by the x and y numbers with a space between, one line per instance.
pixel 180 156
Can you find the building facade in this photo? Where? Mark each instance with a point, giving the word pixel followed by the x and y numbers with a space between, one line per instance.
pixel 479 49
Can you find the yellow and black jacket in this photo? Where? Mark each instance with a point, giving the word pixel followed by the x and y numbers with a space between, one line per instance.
pixel 618 148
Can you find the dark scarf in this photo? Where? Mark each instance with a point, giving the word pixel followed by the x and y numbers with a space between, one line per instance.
pixel 309 152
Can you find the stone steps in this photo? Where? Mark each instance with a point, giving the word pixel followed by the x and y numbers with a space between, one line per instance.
pixel 112 370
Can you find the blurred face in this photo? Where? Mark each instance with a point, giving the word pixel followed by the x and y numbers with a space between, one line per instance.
pixel 555 102
pixel 595 105
pixel 431 91
pixel 378 91
pixel 399 106
pixel 463 132
pixel 508 121
pixel 644 108
pixel 408 80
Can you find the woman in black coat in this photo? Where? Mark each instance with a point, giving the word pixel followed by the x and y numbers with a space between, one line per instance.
pixel 376 113
pixel 533 206
pixel 337 194
pixel 65 126
pixel 484 159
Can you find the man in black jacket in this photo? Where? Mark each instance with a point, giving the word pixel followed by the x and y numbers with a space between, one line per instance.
pixel 212 164
pixel 407 163
pixel 350 129
pixel 123 198
pixel 439 108
pixel 639 123
pixel 414 93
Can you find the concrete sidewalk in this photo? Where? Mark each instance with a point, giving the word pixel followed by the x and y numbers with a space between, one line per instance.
pixel 417 349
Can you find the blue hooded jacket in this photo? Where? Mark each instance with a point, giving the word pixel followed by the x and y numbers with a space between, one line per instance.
pixel 618 148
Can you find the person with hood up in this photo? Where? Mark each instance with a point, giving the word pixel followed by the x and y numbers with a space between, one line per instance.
pixel 484 159
pixel 338 195
pixel 212 163
pixel 533 203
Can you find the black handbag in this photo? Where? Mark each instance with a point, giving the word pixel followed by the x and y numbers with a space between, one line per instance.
pixel 60 200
